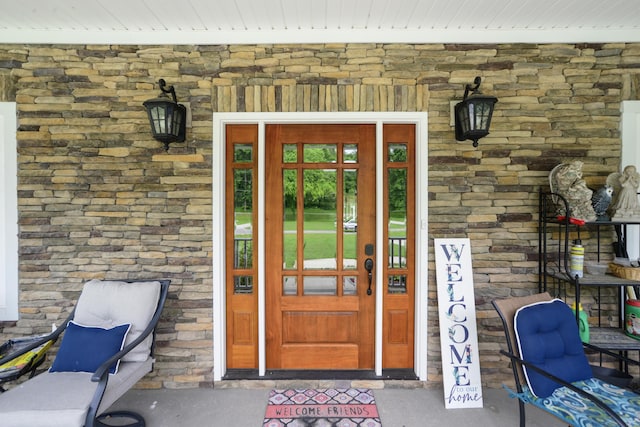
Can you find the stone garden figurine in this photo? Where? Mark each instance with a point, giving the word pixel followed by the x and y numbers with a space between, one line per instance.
pixel 566 180
pixel 625 187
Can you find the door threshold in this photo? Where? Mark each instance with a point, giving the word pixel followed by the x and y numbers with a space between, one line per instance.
pixel 387 374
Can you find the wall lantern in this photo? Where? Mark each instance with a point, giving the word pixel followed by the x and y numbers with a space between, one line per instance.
pixel 473 114
pixel 168 118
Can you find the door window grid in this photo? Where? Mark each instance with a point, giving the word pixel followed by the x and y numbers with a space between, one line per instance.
pixel 397 193
pixel 243 254
pixel 318 168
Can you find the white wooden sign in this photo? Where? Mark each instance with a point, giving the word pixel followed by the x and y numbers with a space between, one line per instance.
pixel 458 333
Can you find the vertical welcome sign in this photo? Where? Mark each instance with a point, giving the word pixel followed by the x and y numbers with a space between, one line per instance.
pixel 458 333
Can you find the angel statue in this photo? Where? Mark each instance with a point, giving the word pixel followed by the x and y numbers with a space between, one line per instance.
pixel 625 190
pixel 566 180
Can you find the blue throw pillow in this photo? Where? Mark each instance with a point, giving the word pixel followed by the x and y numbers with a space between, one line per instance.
pixel 85 348
pixel 548 337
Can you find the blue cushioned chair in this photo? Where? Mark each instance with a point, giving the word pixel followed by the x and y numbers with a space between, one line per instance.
pixel 106 347
pixel 551 370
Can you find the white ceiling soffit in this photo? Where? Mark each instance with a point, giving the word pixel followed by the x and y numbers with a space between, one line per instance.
pixel 317 21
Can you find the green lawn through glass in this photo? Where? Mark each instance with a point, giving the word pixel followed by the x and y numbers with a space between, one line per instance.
pixel 320 238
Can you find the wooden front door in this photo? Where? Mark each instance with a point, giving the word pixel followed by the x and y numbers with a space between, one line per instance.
pixel 320 240
pixel 320 203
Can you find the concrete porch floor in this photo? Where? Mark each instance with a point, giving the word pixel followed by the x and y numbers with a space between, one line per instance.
pixel 230 406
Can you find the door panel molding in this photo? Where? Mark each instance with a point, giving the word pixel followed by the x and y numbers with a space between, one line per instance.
pixel 421 226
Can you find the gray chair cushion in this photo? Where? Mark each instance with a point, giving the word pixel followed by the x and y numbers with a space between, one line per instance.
pixel 50 399
pixel 109 303
pixel 61 399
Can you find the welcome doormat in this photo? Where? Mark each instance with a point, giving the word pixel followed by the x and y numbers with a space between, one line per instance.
pixel 322 408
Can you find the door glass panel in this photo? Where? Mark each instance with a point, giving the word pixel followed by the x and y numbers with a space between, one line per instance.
pixel 320 153
pixel 290 285
pixel 290 153
pixel 242 284
pixel 319 219
pixel 397 152
pixel 397 227
pixel 242 153
pixel 319 285
pixel 397 284
pixel 349 218
pixel 243 252
pixel 349 285
pixel 243 207
pixel 350 153
pixel 290 218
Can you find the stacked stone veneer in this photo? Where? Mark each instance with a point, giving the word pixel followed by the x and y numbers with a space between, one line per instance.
pixel 99 198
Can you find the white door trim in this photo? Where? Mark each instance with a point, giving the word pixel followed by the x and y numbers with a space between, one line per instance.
pixel 220 120
pixel 9 293
pixel 630 155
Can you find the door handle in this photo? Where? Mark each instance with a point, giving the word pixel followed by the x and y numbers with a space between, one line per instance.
pixel 368 265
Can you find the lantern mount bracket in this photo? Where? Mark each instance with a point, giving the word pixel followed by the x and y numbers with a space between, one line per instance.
pixel 467 88
pixel 171 90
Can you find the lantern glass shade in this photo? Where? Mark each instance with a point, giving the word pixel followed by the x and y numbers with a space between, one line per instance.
pixel 473 117
pixel 167 119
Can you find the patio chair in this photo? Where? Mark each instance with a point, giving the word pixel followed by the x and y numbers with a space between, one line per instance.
pixel 550 367
pixel 106 348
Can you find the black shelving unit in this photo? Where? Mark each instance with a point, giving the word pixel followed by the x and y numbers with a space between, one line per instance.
pixel 555 228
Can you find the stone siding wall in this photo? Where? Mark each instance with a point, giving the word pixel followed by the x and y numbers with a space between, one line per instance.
pixel 99 198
